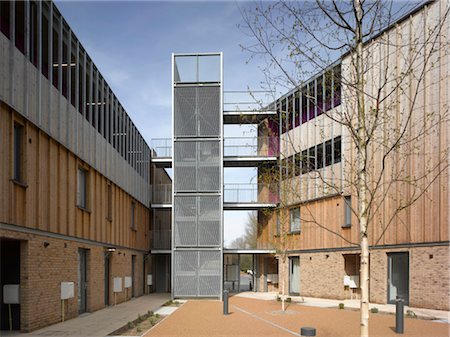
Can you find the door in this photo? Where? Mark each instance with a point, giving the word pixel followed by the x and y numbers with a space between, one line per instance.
pixel 398 277
pixel 294 275
pixel 133 269
pixel 82 280
pixel 107 278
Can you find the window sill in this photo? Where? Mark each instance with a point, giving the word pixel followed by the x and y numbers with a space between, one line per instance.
pixel 19 183
pixel 84 209
pixel 347 226
pixel 295 232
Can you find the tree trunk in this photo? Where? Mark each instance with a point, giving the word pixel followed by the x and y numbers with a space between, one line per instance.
pixel 362 178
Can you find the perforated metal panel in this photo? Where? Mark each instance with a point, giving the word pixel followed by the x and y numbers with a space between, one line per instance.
pixel 209 166
pixel 185 166
pixel 208 111
pixel 185 273
pixel 209 273
pixel 209 218
pixel 185 111
pixel 185 220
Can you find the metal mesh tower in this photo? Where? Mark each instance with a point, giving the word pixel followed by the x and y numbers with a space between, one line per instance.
pixel 197 220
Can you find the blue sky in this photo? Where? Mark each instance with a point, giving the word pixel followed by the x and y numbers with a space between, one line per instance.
pixel 131 44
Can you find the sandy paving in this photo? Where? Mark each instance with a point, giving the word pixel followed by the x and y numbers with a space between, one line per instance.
pixel 249 317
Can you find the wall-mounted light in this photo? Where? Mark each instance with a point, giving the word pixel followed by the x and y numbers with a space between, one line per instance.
pixel 46 244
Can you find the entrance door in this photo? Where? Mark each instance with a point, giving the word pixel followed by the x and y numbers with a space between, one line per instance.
pixel 398 277
pixel 294 275
pixel 107 278
pixel 82 280
pixel 133 268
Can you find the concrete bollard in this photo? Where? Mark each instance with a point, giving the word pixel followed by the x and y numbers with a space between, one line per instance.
pixel 225 302
pixel 307 331
pixel 399 316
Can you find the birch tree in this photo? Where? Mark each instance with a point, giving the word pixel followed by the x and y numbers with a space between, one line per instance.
pixel 385 71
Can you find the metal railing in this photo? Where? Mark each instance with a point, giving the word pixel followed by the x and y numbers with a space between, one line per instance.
pixel 162 239
pixel 162 194
pixel 251 193
pixel 251 146
pixel 248 100
pixel 233 147
pixel 162 147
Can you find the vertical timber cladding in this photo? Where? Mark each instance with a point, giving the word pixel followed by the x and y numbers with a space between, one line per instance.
pixel 197 177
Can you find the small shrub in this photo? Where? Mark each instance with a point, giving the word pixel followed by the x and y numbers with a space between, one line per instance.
pixel 374 310
pixel 288 300
pixel 411 314
pixel 341 305
pixel 138 329
pixel 278 298
pixel 130 325
pixel 150 313
pixel 168 303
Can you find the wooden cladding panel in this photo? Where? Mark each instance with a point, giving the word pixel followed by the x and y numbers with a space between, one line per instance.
pixel 48 201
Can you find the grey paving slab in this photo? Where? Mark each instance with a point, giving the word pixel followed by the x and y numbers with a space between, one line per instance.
pixel 102 322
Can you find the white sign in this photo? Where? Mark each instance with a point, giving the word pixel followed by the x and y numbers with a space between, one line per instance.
pixel 149 280
pixel 11 294
pixel 67 290
pixel 127 281
pixel 117 284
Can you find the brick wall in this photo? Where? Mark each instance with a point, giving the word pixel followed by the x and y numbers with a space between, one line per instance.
pixel 44 268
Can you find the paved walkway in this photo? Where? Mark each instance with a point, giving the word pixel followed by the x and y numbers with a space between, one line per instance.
pixel 440 315
pixel 102 322
pixel 254 318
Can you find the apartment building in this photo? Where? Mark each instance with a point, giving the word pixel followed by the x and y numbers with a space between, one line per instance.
pixel 75 177
pixel 315 223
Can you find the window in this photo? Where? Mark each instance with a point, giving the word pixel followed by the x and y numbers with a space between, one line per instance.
pixel 82 188
pixel 55 52
pixel 66 63
pixel 109 202
pixel 18 152
pixel 5 17
pixel 33 33
pixel 295 219
pixel 337 150
pixel 347 212
pixel 278 229
pixel 19 21
pixel 45 38
pixel 133 209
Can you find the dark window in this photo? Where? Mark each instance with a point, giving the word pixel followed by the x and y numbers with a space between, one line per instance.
pixel 82 188
pixel 19 21
pixel 319 155
pixel 18 152
pixel 55 51
pixel 312 159
pixel 337 85
pixel 319 96
pixel 328 153
pixel 88 88
pixel 133 209
pixel 109 202
pixel 337 149
pixel 33 33
pixel 5 18
pixel 347 211
pixel 94 98
pixel 45 39
pixel 297 164
pixel 81 83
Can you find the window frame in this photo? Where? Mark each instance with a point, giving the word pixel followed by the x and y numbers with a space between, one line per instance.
pixel 82 205
pixel 133 215
pixel 18 153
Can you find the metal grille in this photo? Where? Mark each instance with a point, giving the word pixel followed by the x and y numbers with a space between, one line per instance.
pixel 209 273
pixel 185 273
pixel 185 166
pixel 185 111
pixel 209 216
pixel 208 99
pixel 209 166
pixel 185 220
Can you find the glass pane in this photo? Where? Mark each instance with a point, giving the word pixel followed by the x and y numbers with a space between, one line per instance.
pixel 209 68
pixel 185 69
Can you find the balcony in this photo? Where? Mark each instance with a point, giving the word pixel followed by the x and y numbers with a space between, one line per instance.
pixel 161 196
pixel 162 152
pixel 248 107
pixel 250 196
pixel 162 240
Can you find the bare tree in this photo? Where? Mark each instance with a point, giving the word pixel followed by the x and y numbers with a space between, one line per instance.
pixel 387 64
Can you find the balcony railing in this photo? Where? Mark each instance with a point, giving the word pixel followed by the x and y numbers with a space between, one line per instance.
pixel 162 194
pixel 162 239
pixel 248 101
pixel 162 147
pixel 250 146
pixel 251 193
